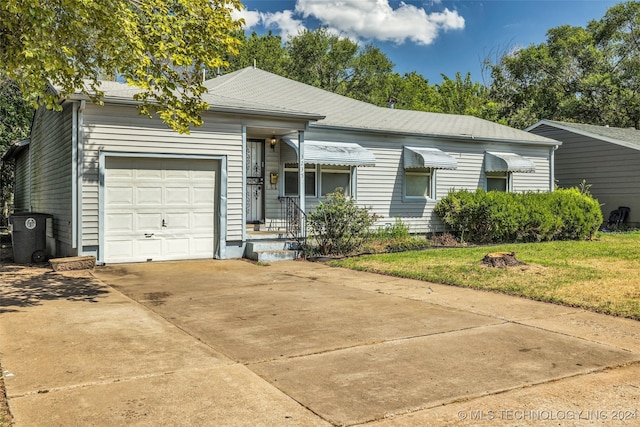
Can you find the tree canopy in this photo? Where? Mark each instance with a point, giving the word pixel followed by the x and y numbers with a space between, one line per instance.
pixel 589 75
pixel 159 46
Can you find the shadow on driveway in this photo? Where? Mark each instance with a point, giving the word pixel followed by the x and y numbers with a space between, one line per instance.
pixel 30 286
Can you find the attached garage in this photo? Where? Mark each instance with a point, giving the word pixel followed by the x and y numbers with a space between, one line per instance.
pixel 159 209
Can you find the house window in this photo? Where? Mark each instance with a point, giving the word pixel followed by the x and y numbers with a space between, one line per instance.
pixel 417 183
pixel 334 177
pixel 291 180
pixel 498 181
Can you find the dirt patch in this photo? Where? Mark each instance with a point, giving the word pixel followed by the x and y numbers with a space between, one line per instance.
pixel 444 239
pixel 5 415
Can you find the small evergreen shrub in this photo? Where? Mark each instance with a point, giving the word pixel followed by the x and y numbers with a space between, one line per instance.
pixel 497 217
pixel 338 226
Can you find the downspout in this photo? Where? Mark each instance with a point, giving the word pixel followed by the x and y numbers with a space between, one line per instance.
pixel 30 178
pixel 74 175
pixel 552 168
pixel 301 184
pixel 80 175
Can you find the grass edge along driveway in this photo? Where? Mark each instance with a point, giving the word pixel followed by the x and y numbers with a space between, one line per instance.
pixel 601 275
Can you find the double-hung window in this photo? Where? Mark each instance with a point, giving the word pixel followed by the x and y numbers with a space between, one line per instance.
pixel 333 178
pixel 418 183
pixel 291 181
pixel 498 181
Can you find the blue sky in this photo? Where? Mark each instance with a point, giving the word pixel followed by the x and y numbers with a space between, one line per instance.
pixel 428 36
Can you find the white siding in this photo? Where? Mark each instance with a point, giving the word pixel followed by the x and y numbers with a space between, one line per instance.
pixel 122 129
pixel 381 187
pixel 612 170
pixel 50 170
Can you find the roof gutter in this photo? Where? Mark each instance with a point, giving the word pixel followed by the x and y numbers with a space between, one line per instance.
pixel 214 108
pixel 550 142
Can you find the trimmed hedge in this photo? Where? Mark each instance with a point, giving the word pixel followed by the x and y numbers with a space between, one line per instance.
pixel 498 217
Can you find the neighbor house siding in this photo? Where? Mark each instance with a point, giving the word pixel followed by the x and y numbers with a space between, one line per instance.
pixel 121 129
pixel 21 189
pixel 612 170
pixel 50 169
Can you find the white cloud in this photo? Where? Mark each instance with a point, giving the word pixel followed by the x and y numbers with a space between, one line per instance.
pixel 251 17
pixel 284 21
pixel 376 19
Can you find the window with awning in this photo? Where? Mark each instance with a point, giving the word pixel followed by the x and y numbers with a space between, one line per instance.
pixel 329 153
pixel 428 157
pixel 420 164
pixel 507 162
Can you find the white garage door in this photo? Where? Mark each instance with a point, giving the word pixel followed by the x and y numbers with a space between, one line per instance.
pixel 159 209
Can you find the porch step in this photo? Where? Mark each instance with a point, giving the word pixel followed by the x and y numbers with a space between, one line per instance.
pixel 269 250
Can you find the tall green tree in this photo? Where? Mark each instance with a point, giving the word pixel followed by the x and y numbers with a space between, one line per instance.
pixel 368 76
pixel 464 96
pixel 15 123
pixel 266 51
pixel 159 46
pixel 583 74
pixel 321 59
pixel 617 34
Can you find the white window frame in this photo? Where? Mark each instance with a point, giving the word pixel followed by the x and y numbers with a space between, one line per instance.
pixel 350 170
pixel 506 176
pixel 431 172
pixel 308 168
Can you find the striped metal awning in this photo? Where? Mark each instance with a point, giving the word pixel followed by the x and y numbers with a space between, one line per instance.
pixel 507 162
pixel 427 157
pixel 334 153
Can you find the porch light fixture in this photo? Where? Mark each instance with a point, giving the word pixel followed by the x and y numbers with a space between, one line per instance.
pixel 272 143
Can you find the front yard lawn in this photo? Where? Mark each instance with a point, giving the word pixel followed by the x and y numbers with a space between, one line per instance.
pixel 601 275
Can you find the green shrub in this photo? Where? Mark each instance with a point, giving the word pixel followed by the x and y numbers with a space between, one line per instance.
pixel 397 230
pixel 496 217
pixel 338 226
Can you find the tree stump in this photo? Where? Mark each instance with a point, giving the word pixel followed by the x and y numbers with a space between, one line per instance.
pixel 501 260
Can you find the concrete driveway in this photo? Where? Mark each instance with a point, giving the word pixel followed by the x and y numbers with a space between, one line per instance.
pixel 298 343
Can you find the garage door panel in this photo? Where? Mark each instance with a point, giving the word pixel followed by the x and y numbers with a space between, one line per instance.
pixel 180 192
pixel 178 222
pixel 177 196
pixel 149 195
pixel 203 196
pixel 119 196
pixel 150 248
pixel 178 247
pixel 201 245
pixel 119 222
pixel 122 250
pixel 148 222
pixel 203 221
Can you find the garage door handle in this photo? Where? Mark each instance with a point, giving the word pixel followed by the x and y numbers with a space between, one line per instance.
pixel 147 235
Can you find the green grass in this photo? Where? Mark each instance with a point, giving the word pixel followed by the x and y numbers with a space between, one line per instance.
pixel 601 275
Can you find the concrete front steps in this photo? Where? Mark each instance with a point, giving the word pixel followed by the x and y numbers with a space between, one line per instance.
pixel 270 247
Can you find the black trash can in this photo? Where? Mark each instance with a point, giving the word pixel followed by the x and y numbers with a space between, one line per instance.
pixel 29 237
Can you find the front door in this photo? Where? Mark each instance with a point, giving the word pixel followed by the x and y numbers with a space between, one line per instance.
pixel 255 181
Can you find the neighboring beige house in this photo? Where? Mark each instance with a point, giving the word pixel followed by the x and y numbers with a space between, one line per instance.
pixel 126 188
pixel 607 158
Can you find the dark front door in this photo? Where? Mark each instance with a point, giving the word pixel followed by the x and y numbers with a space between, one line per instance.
pixel 255 181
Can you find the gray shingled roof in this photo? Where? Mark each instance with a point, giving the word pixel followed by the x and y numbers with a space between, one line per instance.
pixel 123 93
pixel 255 85
pixel 254 91
pixel 628 137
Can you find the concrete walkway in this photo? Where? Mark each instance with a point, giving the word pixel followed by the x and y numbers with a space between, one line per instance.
pixel 230 343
